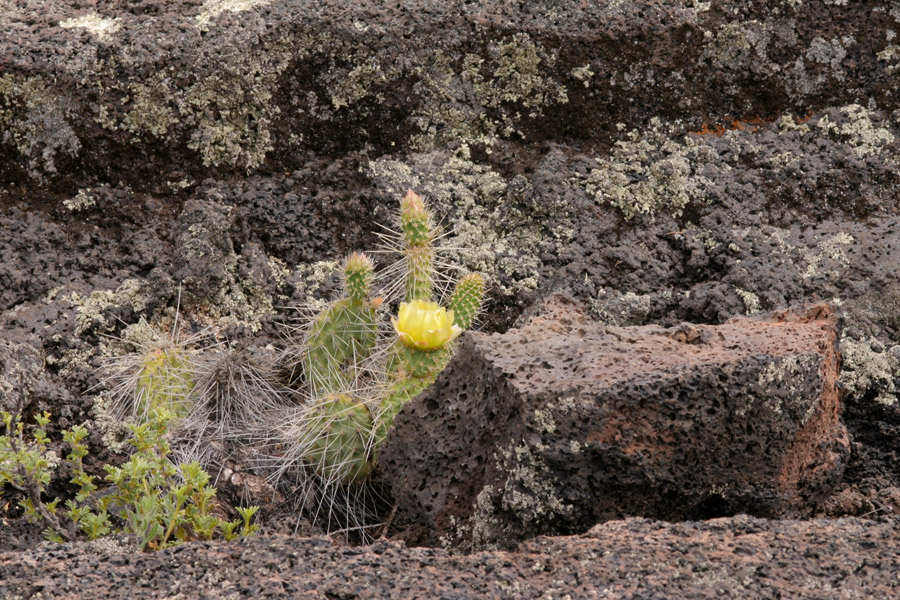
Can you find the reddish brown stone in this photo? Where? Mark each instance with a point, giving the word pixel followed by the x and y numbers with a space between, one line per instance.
pixel 564 423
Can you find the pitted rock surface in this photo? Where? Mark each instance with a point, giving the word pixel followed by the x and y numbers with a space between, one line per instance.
pixel 563 423
pixel 738 557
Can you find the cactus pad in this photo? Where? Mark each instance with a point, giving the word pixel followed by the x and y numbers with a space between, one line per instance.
pixel 466 300
pixel 339 434
pixel 358 270
pixel 164 382
pixel 339 339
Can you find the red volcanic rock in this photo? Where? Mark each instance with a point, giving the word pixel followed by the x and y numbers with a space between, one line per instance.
pixel 564 423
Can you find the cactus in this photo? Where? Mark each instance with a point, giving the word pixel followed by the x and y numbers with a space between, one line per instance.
pixel 338 435
pixel 163 382
pixel 418 234
pixel 343 334
pixel 466 300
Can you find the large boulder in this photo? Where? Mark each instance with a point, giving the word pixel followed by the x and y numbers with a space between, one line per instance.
pixel 564 423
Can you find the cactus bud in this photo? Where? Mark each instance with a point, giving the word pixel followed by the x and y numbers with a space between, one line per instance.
pixel 415 220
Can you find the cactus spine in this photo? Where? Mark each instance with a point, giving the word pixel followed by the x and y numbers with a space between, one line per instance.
pixel 163 383
pixel 343 334
pixel 418 234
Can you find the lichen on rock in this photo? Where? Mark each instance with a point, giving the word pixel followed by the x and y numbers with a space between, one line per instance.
pixel 487 232
pixel 870 368
pixel 651 171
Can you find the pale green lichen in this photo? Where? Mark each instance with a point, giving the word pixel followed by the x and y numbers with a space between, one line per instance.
pixel 149 109
pixel 729 42
pixel 101 27
pixel 529 492
pixel 750 300
pixel 308 281
pixel 89 310
pixel 34 121
pixel 480 99
pixel 866 135
pixel 891 56
pixel 486 235
pixel 620 310
pixel 83 200
pixel 651 172
pixel 241 299
pixel 785 373
pixel 870 368
pixel 832 248
pixel 210 9
pixel 584 74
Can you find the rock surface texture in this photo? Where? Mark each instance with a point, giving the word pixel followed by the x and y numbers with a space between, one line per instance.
pixel 738 557
pixel 562 423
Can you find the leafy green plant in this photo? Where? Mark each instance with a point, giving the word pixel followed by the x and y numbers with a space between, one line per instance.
pixel 161 503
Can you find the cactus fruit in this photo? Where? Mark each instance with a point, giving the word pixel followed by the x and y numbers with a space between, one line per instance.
pixel 466 300
pixel 163 383
pixel 339 438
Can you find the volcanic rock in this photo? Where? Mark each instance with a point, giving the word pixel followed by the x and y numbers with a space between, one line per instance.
pixel 563 423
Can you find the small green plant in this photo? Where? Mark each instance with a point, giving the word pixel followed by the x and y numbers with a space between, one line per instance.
pixel 162 504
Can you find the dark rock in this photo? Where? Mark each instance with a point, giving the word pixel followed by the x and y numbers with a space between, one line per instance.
pixel 738 557
pixel 132 97
pixel 563 423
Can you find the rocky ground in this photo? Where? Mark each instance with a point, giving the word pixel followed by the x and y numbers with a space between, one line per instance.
pixel 661 161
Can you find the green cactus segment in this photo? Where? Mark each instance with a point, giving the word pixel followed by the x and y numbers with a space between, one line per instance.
pixel 405 362
pixel 398 394
pixel 466 300
pixel 339 438
pixel 163 383
pixel 358 271
pixel 419 280
pixel 340 338
pixel 415 221
pixel 411 371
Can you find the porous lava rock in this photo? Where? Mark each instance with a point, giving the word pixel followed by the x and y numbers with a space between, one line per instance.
pixel 563 422
pixel 738 557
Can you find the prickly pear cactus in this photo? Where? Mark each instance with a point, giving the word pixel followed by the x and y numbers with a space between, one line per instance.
pixel 418 232
pixel 339 435
pixel 164 382
pixel 466 300
pixel 343 335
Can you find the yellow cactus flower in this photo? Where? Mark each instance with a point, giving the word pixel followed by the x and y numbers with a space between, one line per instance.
pixel 425 325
